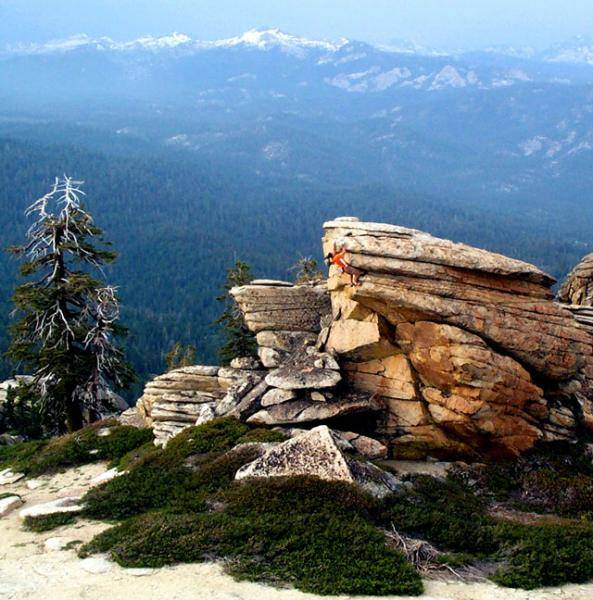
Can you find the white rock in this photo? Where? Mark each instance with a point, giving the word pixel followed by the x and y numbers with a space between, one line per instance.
pixel 8 504
pixel 104 432
pixel 140 572
pixel 8 477
pixel 69 504
pixel 96 564
pixel 317 397
pixel 106 476
pixel 206 413
pixel 94 452
pixel 33 484
pixel 55 544
pixel 277 396
pixel 269 357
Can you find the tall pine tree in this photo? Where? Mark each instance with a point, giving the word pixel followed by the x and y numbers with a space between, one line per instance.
pixel 68 318
pixel 238 339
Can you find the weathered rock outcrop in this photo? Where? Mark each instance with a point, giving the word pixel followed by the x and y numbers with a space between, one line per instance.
pixel 466 348
pixel 280 306
pixel 443 350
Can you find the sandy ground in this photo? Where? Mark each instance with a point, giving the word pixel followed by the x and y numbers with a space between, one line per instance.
pixel 29 569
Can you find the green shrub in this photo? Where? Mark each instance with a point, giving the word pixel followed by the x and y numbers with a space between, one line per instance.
pixel 48 522
pixel 19 456
pixel 302 495
pixel 135 456
pixel 277 531
pixel 215 436
pixel 152 484
pixel 445 512
pixel 547 555
pixel 546 490
pixel 81 447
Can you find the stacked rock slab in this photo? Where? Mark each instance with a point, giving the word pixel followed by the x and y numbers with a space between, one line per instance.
pixel 301 384
pixel 465 348
pixel 175 400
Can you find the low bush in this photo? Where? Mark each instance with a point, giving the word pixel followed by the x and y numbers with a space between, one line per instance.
pixel 546 490
pixel 153 483
pixel 545 555
pixel 218 435
pixel 262 436
pixel 446 513
pixel 81 447
pixel 48 522
pixel 300 538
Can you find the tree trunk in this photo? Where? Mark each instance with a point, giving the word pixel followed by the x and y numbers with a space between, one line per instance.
pixel 74 418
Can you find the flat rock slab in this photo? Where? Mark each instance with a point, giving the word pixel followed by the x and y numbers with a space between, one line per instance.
pixel 96 564
pixel 69 504
pixel 305 411
pixel 8 504
pixel 106 476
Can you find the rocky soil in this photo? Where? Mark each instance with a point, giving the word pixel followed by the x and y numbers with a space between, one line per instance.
pixel 43 566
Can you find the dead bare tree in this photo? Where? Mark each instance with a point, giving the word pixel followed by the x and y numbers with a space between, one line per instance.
pixel 68 319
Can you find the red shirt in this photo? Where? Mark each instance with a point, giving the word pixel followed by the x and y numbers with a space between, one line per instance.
pixel 338 259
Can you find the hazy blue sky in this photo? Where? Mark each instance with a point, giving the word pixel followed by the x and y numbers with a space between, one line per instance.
pixel 442 23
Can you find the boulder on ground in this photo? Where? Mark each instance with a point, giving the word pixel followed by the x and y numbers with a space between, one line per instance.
pixel 317 453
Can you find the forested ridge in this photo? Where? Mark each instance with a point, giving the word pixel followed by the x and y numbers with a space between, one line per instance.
pixel 178 224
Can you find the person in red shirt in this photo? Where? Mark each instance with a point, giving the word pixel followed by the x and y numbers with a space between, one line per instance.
pixel 337 258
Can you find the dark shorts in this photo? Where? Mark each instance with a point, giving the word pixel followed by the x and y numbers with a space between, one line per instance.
pixel 352 270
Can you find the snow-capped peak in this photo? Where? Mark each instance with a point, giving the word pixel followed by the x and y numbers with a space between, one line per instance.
pixel 264 39
pixel 157 43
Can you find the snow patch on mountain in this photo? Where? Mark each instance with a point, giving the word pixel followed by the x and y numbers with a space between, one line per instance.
pixel 265 39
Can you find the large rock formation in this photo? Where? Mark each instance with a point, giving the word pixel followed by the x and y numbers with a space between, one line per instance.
pixel 466 348
pixel 443 350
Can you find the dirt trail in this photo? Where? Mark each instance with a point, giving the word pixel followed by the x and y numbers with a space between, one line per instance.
pixel 31 569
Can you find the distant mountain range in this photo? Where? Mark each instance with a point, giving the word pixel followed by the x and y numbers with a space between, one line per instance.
pixel 203 152
pixel 501 123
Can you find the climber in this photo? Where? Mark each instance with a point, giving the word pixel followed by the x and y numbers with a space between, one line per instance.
pixel 337 258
